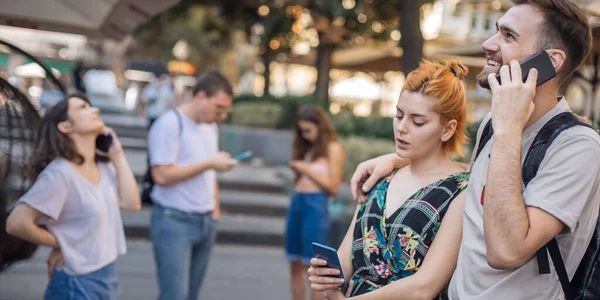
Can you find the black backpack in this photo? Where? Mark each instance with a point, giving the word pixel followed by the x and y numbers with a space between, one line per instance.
pixel 148 181
pixel 586 282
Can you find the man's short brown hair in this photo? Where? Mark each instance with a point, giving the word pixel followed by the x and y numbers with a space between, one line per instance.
pixel 565 27
pixel 211 83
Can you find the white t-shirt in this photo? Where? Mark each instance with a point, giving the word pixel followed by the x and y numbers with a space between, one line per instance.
pixel 83 217
pixel 195 144
pixel 566 186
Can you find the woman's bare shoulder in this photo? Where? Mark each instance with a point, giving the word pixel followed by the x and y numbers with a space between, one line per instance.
pixel 335 146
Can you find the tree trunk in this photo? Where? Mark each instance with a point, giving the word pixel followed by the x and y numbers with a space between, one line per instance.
pixel 267 58
pixel 412 39
pixel 324 52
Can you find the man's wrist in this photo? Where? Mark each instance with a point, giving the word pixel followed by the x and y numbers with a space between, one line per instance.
pixel 509 133
pixel 211 164
pixel 507 145
pixel 505 128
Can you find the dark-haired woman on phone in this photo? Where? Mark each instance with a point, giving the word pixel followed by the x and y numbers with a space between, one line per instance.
pixel 73 206
pixel 318 163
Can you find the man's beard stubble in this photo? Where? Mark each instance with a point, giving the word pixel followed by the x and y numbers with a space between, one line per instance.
pixel 482 80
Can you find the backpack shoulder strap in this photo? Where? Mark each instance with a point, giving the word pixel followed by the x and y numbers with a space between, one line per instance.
pixel 179 122
pixel 148 181
pixel 535 155
pixel 549 132
pixel 486 135
pixel 559 265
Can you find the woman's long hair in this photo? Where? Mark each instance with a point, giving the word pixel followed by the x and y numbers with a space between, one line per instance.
pixel 302 147
pixel 50 143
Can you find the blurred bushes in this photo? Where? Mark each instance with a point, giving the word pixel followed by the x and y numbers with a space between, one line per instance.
pixel 288 107
pixel 264 115
pixel 279 113
pixel 359 149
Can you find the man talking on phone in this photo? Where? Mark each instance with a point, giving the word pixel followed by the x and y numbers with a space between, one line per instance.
pixel 508 218
pixel 183 150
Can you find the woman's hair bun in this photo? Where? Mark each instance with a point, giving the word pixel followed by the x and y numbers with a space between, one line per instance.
pixel 458 69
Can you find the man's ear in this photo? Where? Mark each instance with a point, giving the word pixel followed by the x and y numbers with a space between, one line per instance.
pixel 558 58
pixel 201 95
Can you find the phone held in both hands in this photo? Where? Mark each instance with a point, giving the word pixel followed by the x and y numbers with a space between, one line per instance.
pixel 330 255
pixel 103 142
pixel 541 62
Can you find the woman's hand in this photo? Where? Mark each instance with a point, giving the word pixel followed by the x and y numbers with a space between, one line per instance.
pixel 298 166
pixel 55 261
pixel 116 149
pixel 320 277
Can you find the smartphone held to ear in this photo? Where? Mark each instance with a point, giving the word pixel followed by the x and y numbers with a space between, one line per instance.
pixel 541 62
pixel 103 142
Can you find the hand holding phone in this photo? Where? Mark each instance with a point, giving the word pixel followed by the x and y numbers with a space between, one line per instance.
pixel 242 156
pixel 541 62
pixel 513 100
pixel 223 162
pixel 330 255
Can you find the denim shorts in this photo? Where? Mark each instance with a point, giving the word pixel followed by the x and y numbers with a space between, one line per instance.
pixel 97 285
pixel 307 222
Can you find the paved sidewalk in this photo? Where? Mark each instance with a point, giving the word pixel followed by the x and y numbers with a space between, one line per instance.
pixel 235 272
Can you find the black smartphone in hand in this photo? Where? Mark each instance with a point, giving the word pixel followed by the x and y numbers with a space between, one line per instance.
pixel 330 255
pixel 542 63
pixel 103 142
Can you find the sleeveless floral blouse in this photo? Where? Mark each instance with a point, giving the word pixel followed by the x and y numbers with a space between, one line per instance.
pixel 388 249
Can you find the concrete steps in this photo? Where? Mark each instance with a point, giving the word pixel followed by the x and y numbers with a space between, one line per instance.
pixel 238 229
pixel 254 203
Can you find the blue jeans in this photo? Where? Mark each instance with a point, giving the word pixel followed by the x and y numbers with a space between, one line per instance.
pixel 307 222
pixel 182 244
pixel 97 285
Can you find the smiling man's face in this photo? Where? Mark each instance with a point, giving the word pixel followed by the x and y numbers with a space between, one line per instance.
pixel 516 38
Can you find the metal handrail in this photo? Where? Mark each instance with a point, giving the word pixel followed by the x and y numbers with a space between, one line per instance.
pixel 49 73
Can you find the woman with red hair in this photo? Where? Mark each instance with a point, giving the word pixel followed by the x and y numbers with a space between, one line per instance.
pixel 389 251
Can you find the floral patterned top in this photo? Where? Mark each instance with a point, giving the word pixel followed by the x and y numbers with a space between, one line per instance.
pixel 388 249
